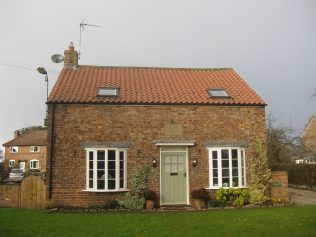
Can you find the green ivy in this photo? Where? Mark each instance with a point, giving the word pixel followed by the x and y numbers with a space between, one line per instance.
pixel 260 174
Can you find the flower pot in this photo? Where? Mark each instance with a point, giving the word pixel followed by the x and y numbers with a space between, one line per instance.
pixel 199 203
pixel 150 204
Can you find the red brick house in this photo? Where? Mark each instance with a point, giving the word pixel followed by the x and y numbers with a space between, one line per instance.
pixel 27 151
pixel 309 141
pixel 193 127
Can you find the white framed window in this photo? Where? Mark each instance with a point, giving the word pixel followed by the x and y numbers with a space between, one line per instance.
pixel 227 167
pixel 34 164
pixel 106 170
pixel 11 163
pixel 34 149
pixel 14 149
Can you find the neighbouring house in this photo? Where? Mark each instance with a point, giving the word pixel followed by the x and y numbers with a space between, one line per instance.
pixel 26 151
pixel 193 127
pixel 309 141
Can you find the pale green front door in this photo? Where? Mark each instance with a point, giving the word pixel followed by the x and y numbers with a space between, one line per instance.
pixel 173 178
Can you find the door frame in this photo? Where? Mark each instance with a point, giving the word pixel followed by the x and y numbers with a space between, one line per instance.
pixel 187 172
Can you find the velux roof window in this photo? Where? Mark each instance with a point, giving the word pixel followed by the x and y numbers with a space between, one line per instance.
pixel 218 93
pixel 108 91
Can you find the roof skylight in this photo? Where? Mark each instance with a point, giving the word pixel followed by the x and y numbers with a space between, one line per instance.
pixel 108 91
pixel 217 92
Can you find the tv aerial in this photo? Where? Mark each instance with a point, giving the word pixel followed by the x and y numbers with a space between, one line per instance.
pixel 82 26
pixel 58 58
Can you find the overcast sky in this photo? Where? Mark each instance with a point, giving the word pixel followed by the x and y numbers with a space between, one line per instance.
pixel 270 43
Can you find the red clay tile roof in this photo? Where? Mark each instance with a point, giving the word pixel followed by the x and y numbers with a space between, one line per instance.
pixel 139 85
pixel 31 138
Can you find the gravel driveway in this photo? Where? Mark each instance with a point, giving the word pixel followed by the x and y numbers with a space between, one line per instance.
pixel 302 196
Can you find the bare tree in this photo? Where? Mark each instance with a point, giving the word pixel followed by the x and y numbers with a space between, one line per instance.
pixel 282 142
pixel 31 128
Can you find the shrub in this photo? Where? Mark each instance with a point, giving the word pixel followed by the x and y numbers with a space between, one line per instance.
pixel 200 194
pixel 132 201
pixel 150 195
pixel 50 204
pixel 111 204
pixel 232 197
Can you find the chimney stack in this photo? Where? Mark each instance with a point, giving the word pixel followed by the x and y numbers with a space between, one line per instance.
pixel 71 57
pixel 16 133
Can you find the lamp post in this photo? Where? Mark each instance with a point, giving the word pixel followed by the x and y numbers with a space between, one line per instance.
pixel 42 70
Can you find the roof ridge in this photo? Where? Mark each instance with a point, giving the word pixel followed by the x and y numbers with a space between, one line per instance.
pixel 167 68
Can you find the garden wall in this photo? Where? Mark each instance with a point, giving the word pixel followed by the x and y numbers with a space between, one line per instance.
pixel 279 185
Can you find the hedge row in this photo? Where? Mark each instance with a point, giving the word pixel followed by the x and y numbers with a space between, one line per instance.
pixel 298 174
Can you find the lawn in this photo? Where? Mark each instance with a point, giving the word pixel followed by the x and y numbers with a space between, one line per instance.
pixel 268 222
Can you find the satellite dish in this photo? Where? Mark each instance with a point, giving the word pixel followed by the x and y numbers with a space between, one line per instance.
pixel 57 58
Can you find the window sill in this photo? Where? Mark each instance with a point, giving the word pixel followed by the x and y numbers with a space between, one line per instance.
pixel 215 188
pixel 105 191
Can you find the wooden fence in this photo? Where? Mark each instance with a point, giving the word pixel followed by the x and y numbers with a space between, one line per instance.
pixel 30 193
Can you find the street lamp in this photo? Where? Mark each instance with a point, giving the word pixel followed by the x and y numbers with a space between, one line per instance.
pixel 42 70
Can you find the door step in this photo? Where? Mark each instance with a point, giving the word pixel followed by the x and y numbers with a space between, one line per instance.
pixel 175 208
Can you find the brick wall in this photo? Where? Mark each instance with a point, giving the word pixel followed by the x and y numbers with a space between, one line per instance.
pixel 24 154
pixel 10 195
pixel 279 185
pixel 74 124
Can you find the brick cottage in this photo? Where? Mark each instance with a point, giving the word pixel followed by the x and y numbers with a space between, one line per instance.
pixel 197 125
pixel 26 151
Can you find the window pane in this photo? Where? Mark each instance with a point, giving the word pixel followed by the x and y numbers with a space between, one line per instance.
pixel 225 154
pixel 235 172
pixel 225 182
pixel 215 173
pixel 111 184
pixel 225 163
pixel 215 182
pixel 100 164
pixel 101 155
pixel 100 184
pixel 214 163
pixel 121 183
pixel 90 174
pixel 121 155
pixel 91 155
pixel 225 172
pixel 214 155
pixel 234 153
pixel 111 174
pixel 90 183
pixel 235 182
pixel 100 174
pixel 111 155
pixel 235 163
pixel 111 164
